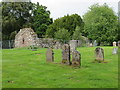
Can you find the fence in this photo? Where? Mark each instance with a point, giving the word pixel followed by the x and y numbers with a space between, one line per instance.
pixel 7 44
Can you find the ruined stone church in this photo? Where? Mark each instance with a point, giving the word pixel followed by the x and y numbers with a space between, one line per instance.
pixel 25 37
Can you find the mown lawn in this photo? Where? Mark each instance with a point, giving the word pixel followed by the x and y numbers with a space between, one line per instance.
pixel 23 68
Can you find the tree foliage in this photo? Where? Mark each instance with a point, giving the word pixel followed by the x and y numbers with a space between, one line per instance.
pixel 77 34
pixel 68 22
pixel 41 19
pixel 14 16
pixel 101 24
pixel 62 35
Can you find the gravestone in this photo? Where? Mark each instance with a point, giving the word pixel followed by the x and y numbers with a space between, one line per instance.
pixel 119 44
pixel 73 45
pixel 66 54
pixel 95 43
pixel 91 45
pixel 50 55
pixel 76 58
pixel 115 50
pixel 114 43
pixel 99 52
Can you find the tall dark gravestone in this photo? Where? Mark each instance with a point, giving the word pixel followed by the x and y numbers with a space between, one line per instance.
pixel 66 54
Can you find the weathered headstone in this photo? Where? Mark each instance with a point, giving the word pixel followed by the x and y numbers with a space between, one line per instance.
pixel 50 55
pixel 119 44
pixel 91 45
pixel 76 58
pixel 115 50
pixel 66 54
pixel 114 43
pixel 73 45
pixel 95 43
pixel 99 52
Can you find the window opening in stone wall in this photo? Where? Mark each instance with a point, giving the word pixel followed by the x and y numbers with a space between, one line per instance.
pixel 23 41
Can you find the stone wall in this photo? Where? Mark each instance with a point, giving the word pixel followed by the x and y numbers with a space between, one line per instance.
pixel 48 42
pixel 27 37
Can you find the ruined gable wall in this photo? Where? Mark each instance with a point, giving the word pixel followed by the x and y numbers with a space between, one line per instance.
pixel 25 37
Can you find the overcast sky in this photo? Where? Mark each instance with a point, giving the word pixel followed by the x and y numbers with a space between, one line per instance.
pixel 59 8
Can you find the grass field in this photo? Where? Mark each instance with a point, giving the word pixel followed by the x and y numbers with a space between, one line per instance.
pixel 24 68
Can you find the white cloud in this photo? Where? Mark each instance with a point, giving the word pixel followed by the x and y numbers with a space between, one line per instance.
pixel 59 8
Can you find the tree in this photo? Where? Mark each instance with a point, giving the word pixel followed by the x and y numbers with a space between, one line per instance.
pixel 50 31
pixel 68 22
pixel 62 35
pixel 101 24
pixel 15 15
pixel 77 34
pixel 41 19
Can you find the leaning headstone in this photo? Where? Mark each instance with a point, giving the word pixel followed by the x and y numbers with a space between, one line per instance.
pixel 66 54
pixel 50 55
pixel 99 52
pixel 73 45
pixel 76 58
pixel 115 50
pixel 119 44
pixel 114 43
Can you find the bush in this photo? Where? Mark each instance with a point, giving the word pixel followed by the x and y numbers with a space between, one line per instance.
pixel 77 34
pixel 62 35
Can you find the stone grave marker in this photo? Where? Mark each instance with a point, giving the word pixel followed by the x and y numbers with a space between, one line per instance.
pixel 91 45
pixel 50 55
pixel 114 43
pixel 76 58
pixel 95 43
pixel 66 54
pixel 115 50
pixel 99 52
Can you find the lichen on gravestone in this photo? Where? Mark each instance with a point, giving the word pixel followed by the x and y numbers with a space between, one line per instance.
pixel 99 53
pixel 66 54
pixel 76 59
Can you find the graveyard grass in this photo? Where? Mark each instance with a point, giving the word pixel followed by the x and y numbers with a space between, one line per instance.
pixel 23 68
